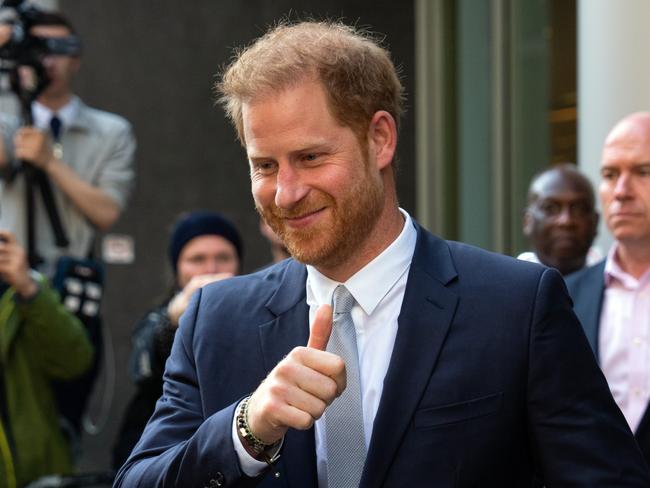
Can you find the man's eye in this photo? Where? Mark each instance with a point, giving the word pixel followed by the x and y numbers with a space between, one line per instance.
pixel 310 157
pixel 196 259
pixel 580 209
pixel 608 175
pixel 265 167
pixel 550 208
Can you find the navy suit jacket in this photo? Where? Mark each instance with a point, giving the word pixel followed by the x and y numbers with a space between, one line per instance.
pixel 491 378
pixel 587 288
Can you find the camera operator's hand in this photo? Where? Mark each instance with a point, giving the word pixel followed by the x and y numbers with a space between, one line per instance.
pixel 14 268
pixel 5 33
pixel 35 146
pixel 179 303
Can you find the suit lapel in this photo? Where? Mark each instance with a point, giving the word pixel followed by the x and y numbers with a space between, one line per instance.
pixel 290 329
pixel 427 312
pixel 589 310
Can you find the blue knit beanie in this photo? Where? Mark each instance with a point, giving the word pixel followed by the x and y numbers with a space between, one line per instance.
pixel 200 223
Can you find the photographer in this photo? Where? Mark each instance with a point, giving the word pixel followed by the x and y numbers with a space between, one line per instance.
pixel 86 154
pixel 203 247
pixel 83 156
pixel 39 341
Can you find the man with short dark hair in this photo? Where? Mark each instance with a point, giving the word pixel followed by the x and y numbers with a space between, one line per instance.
pixel 612 298
pixel 87 155
pixel 561 220
pixel 437 364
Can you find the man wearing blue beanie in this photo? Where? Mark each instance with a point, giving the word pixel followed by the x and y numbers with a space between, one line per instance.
pixel 204 247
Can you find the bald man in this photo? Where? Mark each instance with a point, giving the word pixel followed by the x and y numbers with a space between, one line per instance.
pixel 560 220
pixel 612 299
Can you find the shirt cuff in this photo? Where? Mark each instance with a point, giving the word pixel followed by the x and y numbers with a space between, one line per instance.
pixel 249 465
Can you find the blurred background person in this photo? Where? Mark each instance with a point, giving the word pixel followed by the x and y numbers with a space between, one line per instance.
pixel 81 157
pixel 39 341
pixel 203 247
pixel 279 251
pixel 87 155
pixel 560 220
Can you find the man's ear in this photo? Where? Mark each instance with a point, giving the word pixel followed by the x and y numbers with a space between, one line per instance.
pixel 382 138
pixel 528 223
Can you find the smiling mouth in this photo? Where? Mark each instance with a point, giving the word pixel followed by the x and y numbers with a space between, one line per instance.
pixel 303 219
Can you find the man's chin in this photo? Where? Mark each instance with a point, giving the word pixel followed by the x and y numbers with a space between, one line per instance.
pixel 304 252
pixel 566 251
pixel 316 254
pixel 631 237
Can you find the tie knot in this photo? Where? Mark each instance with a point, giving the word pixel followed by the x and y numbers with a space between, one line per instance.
pixel 342 300
pixel 55 127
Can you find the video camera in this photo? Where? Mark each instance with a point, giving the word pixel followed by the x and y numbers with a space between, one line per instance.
pixel 25 49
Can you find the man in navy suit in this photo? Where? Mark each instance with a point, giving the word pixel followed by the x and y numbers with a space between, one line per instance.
pixel 472 369
pixel 612 298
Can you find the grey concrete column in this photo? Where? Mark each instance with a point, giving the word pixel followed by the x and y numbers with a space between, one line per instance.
pixel 613 76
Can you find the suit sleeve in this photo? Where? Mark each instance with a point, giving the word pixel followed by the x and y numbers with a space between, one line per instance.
pixel 179 446
pixel 579 435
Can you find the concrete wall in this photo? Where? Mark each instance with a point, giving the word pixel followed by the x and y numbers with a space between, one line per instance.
pixel 154 62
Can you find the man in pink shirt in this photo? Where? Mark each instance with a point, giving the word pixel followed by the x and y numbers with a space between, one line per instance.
pixel 612 298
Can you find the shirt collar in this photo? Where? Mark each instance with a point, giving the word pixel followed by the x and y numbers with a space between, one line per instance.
pixel 43 114
pixel 371 283
pixel 615 273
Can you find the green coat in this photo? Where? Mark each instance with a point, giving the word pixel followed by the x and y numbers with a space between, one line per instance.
pixel 39 341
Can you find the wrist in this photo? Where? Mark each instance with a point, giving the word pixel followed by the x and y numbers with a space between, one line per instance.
pixel 255 446
pixel 50 162
pixel 26 289
pixel 174 311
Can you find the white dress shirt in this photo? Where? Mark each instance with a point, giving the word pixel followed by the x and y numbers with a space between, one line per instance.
pixel 43 114
pixel 378 289
pixel 593 256
pixel 624 339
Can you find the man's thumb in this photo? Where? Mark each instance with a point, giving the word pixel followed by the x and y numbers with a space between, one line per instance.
pixel 321 328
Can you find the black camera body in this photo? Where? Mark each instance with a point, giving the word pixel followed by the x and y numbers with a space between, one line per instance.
pixel 25 49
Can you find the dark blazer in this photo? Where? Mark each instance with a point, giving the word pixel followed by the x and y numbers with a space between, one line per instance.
pixel 587 289
pixel 491 378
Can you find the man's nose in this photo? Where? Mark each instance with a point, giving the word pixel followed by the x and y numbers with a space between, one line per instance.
pixel 211 267
pixel 48 61
pixel 622 189
pixel 565 217
pixel 290 187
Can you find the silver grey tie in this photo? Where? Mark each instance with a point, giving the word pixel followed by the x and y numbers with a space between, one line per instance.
pixel 346 446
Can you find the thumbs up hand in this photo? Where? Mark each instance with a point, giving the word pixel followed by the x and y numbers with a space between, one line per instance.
pixel 298 390
pixel 321 328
